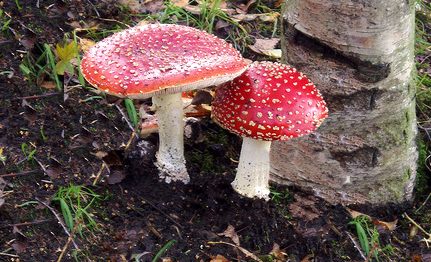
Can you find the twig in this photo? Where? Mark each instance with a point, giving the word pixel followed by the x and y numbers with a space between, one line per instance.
pixel 94 7
pixel 370 254
pixel 26 223
pixel 426 240
pixel 356 245
pixel 8 255
pixel 424 203
pixel 37 96
pixel 100 172
pixel 59 220
pixel 69 239
pixel 19 174
pixel 126 119
pixel 243 250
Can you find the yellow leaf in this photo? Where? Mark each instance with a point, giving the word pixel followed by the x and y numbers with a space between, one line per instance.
pixel 180 3
pixel 85 44
pixel 67 52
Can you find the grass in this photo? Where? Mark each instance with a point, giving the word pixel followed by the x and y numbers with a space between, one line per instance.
pixel 35 69
pixel 369 239
pixel 75 204
pixel 131 111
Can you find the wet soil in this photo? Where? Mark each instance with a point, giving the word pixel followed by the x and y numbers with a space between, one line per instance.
pixel 79 139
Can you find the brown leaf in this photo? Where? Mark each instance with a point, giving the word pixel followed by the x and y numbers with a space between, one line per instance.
pixel 116 177
pixel 146 6
pixel 379 223
pixel 277 253
pixel 19 247
pixel 391 226
pixel 267 47
pixel 54 172
pixel 308 258
pixel 180 3
pixel 219 258
pixel 85 44
pixel 194 9
pixel 48 85
pixel 230 233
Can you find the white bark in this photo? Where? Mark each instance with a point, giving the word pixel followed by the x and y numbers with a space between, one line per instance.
pixel 360 55
pixel 253 169
pixel 170 157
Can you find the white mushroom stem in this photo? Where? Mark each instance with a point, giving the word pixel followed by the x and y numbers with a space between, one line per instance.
pixel 170 157
pixel 253 169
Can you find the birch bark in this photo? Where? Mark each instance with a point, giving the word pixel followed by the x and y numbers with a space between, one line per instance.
pixel 360 55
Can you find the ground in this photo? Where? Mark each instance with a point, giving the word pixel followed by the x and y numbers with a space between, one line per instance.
pixel 60 143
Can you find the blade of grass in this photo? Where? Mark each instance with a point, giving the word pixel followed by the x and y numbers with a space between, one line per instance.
pixel 51 63
pixel 131 111
pixel 163 250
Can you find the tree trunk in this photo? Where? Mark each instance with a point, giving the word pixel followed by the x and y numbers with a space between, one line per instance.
pixel 360 55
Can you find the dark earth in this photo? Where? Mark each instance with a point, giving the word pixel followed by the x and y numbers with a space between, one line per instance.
pixel 80 139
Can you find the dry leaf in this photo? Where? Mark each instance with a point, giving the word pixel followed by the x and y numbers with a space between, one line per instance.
pixel 219 258
pixel 48 85
pixel 380 224
pixel 308 258
pixel 146 6
pixel 85 44
pixel 180 3
pixel 391 226
pixel 230 233
pixel 266 47
pixel 194 9
pixel 243 250
pixel 277 253
pixel 116 177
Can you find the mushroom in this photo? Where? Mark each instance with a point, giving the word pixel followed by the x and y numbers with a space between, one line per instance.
pixel 161 61
pixel 270 101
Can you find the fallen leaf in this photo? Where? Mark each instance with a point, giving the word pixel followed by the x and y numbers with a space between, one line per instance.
pixel 180 3
pixel 143 6
pixel 390 226
pixel 278 254
pixel 116 176
pixel 219 258
pixel 308 258
pixel 100 154
pixel 230 233
pixel 85 44
pixel 48 85
pixel 243 250
pixel 266 47
pixel 19 247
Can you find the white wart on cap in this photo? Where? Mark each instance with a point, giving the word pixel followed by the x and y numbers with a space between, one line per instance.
pixel 154 59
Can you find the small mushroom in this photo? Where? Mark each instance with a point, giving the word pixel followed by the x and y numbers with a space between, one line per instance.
pixel 161 61
pixel 270 101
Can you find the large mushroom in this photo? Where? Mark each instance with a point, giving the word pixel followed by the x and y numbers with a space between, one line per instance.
pixel 270 101
pixel 161 61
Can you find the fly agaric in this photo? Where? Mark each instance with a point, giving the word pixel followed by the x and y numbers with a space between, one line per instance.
pixel 161 61
pixel 270 101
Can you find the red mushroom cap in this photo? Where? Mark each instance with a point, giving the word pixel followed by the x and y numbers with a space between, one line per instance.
pixel 160 58
pixel 270 101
